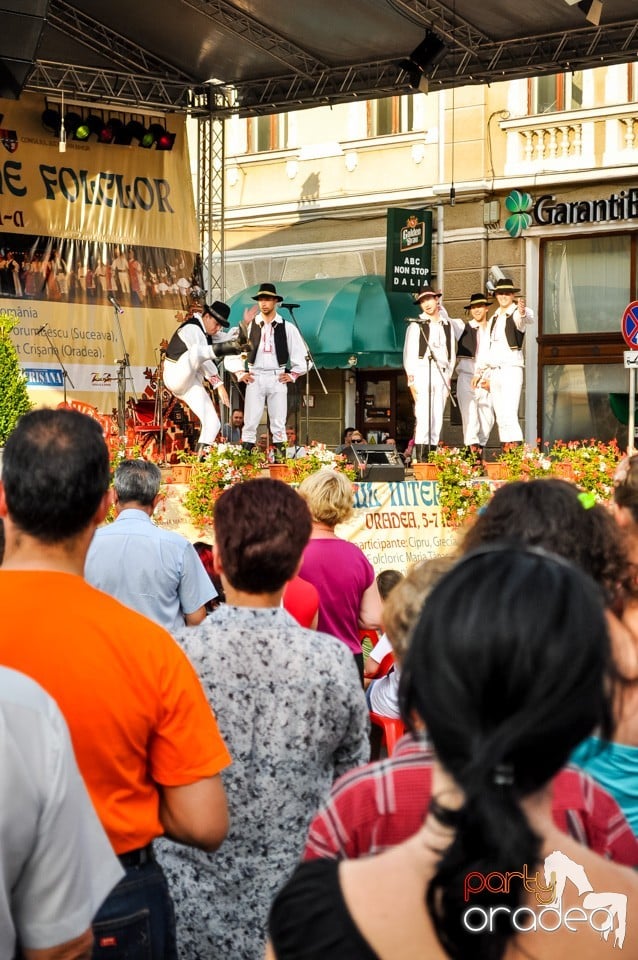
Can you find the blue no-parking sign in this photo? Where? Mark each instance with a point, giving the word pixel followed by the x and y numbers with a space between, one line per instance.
pixel 629 325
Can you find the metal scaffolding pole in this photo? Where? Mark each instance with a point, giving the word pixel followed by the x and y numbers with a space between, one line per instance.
pixel 210 203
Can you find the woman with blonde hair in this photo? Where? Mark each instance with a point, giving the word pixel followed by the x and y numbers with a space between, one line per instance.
pixel 349 599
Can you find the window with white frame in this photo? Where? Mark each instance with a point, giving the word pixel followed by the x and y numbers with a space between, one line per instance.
pixel 267 133
pixel 561 91
pixel 390 115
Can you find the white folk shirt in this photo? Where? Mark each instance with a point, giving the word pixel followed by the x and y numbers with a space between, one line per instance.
pixel 415 365
pixel 266 357
pixel 500 352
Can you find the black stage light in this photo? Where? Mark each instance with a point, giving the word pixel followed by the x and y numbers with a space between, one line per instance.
pixel 71 122
pixel 428 52
pixel 51 121
pixel 134 130
pixel 97 128
pixel 116 129
pixel 161 138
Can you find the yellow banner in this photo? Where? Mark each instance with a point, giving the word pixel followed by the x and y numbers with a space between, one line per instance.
pixel 98 249
pixel 397 524
pixel 108 193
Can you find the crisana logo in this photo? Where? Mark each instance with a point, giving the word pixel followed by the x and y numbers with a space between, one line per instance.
pixel 604 912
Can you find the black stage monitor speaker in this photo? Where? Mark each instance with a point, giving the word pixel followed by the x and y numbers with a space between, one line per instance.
pixel 378 462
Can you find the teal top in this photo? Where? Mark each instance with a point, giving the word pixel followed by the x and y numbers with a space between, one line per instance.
pixel 615 767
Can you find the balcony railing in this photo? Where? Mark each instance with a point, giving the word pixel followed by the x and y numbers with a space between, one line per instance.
pixel 572 140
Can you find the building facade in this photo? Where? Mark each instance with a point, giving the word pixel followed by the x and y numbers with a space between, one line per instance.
pixel 535 179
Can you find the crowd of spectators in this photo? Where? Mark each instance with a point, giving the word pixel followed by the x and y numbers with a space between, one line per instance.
pixel 186 737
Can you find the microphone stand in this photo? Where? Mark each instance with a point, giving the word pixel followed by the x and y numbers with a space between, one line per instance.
pixel 123 374
pixel 159 403
pixel 65 374
pixel 310 363
pixel 431 357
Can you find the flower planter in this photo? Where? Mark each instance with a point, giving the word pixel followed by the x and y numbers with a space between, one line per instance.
pixel 425 471
pixel 180 473
pixel 279 471
pixel 497 471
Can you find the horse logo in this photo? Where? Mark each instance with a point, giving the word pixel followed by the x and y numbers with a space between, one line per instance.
pixel 559 869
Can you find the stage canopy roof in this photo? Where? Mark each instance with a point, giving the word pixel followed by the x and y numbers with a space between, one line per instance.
pixel 346 321
pixel 256 57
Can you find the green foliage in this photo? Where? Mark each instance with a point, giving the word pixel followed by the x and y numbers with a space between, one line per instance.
pixel 318 456
pixel 526 463
pixel 462 487
pixel 225 465
pixel 14 399
pixel 592 462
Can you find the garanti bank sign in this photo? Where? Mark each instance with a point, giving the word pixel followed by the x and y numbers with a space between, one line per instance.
pixel 547 210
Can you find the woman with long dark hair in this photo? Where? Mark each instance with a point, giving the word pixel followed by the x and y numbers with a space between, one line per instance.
pixel 508 669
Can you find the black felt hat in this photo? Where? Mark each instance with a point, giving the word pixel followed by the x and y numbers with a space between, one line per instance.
pixel 477 300
pixel 267 290
pixel 505 285
pixel 220 311
pixel 426 292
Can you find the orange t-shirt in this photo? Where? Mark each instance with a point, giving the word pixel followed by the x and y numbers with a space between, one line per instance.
pixel 136 710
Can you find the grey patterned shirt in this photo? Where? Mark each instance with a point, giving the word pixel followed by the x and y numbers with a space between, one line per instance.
pixel 290 707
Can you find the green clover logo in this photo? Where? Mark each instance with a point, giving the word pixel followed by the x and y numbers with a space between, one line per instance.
pixel 518 204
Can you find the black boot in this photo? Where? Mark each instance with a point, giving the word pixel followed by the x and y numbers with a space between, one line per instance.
pixel 280 452
pixel 246 445
pixel 203 449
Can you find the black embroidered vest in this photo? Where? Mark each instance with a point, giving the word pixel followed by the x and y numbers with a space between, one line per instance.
pixel 424 334
pixel 176 346
pixel 281 342
pixel 513 335
pixel 468 342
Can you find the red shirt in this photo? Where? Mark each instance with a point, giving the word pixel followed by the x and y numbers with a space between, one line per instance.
pixel 381 804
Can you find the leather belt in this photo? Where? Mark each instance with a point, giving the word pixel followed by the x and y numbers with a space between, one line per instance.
pixel 137 858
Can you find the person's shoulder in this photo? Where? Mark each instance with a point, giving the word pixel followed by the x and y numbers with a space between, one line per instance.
pixel 123 624
pixel 172 537
pixel 217 628
pixel 334 655
pixel 19 690
pixel 106 530
pixel 303 589
pixel 355 551
pixel 336 543
pixel 410 755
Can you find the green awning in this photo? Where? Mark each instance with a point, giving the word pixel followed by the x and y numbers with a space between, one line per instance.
pixel 343 317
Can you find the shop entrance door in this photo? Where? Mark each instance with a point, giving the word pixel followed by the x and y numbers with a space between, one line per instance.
pixel 384 406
